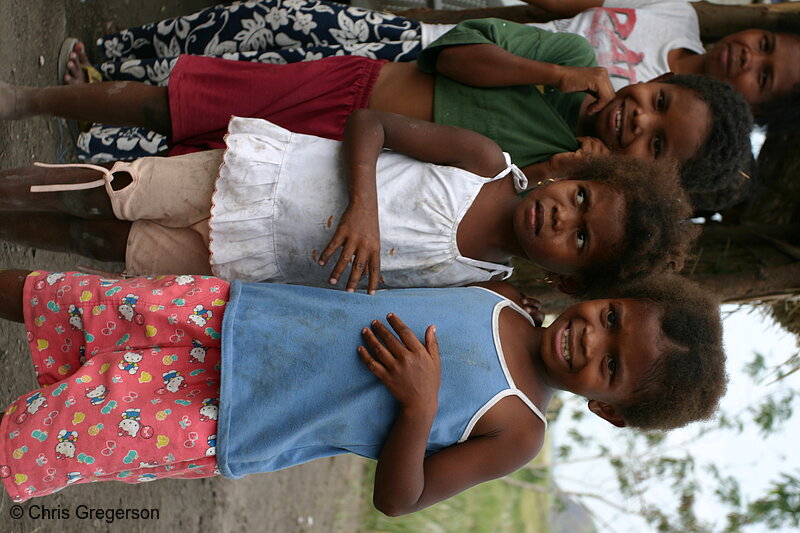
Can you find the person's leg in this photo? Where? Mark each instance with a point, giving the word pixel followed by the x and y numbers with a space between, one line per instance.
pixel 116 103
pixel 16 196
pixel 89 426
pixel 11 284
pixel 104 240
pixel 240 28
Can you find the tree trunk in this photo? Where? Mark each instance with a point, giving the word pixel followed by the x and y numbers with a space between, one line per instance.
pixel 743 262
pixel 765 285
pixel 521 14
pixel 715 20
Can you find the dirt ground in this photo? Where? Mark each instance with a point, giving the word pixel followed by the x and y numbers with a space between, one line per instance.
pixel 322 496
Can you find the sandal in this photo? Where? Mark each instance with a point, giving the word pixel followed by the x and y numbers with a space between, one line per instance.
pixel 92 76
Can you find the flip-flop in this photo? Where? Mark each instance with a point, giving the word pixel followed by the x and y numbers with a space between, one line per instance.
pixel 63 56
pixel 92 76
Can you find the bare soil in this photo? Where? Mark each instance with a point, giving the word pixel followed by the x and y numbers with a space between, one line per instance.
pixel 322 496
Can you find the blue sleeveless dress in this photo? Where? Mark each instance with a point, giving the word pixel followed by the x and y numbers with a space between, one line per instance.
pixel 294 389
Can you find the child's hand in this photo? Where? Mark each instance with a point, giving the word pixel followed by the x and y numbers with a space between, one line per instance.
pixel 561 165
pixel 533 307
pixel 592 80
pixel 591 146
pixel 359 237
pixel 410 370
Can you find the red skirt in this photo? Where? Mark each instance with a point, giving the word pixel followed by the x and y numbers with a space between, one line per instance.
pixel 313 97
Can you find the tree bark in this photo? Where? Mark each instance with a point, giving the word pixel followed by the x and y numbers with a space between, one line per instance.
pixel 521 14
pixel 765 285
pixel 716 20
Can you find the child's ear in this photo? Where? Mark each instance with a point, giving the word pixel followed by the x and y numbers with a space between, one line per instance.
pixel 607 412
pixel 566 284
pixel 663 77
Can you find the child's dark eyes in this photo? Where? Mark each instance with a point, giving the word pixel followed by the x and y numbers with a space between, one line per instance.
pixel 766 43
pixel 580 197
pixel 580 239
pixel 611 318
pixel 611 367
pixel 657 145
pixel 763 77
pixel 661 102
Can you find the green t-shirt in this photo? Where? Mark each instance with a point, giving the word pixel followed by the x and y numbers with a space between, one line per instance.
pixel 529 123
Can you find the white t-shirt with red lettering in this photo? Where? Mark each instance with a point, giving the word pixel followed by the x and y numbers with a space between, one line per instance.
pixel 631 37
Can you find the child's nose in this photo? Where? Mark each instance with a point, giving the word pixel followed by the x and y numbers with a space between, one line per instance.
pixel 642 120
pixel 594 343
pixel 746 61
pixel 563 218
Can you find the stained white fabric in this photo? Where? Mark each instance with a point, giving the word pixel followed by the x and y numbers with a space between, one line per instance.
pixel 279 197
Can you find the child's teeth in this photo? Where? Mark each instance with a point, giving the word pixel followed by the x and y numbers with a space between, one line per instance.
pixel 618 121
pixel 565 345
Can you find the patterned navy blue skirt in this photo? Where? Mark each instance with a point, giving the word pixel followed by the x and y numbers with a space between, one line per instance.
pixel 267 31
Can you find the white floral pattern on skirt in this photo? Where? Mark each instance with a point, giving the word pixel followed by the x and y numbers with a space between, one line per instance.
pixel 266 31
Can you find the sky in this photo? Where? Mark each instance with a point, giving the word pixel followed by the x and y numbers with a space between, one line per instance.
pixel 749 457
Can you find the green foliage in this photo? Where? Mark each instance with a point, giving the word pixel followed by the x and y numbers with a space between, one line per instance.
pixel 778 508
pixel 563 451
pixel 773 411
pixel 728 490
pixel 578 437
pixel 756 368
pixel 654 438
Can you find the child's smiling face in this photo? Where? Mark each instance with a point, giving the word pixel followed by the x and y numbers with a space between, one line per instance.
pixel 652 121
pixel 603 349
pixel 567 226
pixel 761 65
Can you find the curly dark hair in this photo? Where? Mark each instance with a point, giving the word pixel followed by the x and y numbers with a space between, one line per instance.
pixel 727 148
pixel 657 238
pixel 688 380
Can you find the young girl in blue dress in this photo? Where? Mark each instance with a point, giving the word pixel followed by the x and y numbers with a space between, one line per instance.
pixel 289 374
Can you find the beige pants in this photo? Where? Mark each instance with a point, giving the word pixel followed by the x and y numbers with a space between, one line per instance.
pixel 169 203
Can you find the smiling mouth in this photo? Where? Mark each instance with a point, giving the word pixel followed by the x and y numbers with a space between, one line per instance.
pixel 565 346
pixel 618 123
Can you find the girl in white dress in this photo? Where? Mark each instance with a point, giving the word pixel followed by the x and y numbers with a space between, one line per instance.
pixel 281 204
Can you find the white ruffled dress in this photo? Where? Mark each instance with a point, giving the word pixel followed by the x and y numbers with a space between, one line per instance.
pixel 279 197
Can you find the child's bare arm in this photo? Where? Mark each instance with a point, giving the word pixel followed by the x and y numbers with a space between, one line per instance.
pixel 367 132
pixel 488 65
pixel 406 481
pixel 565 8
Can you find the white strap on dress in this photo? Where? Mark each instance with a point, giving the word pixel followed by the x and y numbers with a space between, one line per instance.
pixel 107 178
pixel 520 179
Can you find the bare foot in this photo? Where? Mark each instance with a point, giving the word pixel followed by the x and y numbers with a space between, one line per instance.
pixel 75 75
